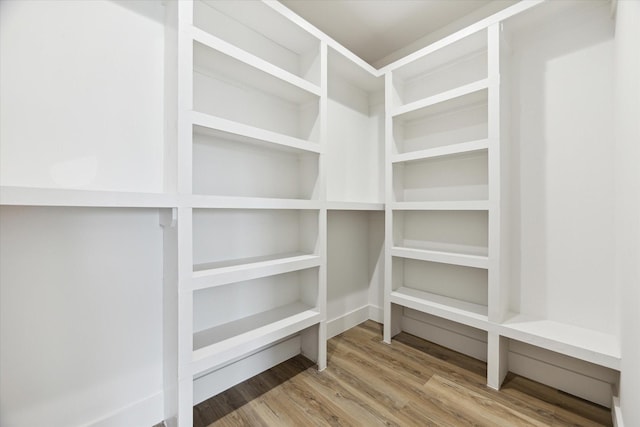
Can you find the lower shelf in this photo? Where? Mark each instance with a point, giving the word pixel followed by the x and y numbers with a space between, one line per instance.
pixel 470 314
pixel 217 346
pixel 585 344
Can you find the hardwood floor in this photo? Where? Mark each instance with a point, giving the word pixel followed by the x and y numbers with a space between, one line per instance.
pixel 411 382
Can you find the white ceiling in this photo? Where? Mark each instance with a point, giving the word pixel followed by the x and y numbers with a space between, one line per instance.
pixel 374 29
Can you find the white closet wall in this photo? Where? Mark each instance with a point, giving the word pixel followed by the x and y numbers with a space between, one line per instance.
pixel 81 291
pixel 627 156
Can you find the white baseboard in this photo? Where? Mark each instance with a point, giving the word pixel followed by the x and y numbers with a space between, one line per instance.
pixel 347 321
pixel 616 412
pixel 146 412
pixel 376 313
pixel 224 378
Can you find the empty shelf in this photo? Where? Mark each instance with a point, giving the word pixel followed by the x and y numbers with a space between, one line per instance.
pixel 464 312
pixel 441 256
pixel 464 205
pixel 221 273
pixel 585 344
pixel 27 196
pixel 225 343
pixel 447 150
pixel 420 108
pixel 259 68
pixel 209 124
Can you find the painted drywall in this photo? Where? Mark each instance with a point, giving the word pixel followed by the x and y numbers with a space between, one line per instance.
pixel 80 316
pixel 82 87
pixel 627 61
pixel 563 167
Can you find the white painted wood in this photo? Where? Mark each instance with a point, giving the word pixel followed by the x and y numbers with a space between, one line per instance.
pixel 347 321
pixel 616 412
pixel 257 63
pixel 228 202
pixel 498 300
pixel 249 133
pixel 218 346
pixel 514 10
pixel 466 205
pixel 220 273
pixel 441 256
pixel 413 109
pixel 562 378
pixel 354 206
pixel 28 196
pixel 455 66
pixel 462 177
pixel 221 161
pixel 469 314
pixel 217 381
pixel 448 150
pixel 497 359
pixel 260 29
pixel 458 337
pixel 585 344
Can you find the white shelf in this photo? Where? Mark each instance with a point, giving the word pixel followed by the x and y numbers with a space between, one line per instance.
pixel 585 344
pixel 447 150
pixel 465 205
pixel 415 109
pixel 216 64
pixel 247 133
pixel 220 345
pixel 28 196
pixel 467 313
pixel 257 79
pixel 440 256
pixel 223 202
pixel 355 206
pixel 222 273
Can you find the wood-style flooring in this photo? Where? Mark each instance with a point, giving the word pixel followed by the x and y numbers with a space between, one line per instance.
pixel 411 382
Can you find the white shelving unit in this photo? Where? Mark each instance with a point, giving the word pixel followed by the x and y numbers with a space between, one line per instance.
pixel 465 194
pixel 438 190
pixel 289 191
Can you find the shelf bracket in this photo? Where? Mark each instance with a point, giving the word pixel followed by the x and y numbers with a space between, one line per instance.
pixel 169 219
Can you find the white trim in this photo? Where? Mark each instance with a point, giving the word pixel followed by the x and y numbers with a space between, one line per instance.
pixel 347 321
pixel 145 412
pixel 616 412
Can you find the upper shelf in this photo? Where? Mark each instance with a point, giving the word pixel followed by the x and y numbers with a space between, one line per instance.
pixel 211 125
pixel 212 56
pixel 27 196
pixel 459 97
pixel 447 150
pixel 585 344
pixel 260 30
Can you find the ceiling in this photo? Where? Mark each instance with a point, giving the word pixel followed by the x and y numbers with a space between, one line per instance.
pixel 375 29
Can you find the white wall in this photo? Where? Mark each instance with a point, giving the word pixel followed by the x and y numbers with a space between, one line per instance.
pixel 355 248
pixel 82 86
pixel 628 201
pixel 563 168
pixel 80 316
pixel 82 94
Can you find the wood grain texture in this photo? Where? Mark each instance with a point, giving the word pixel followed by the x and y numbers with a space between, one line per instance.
pixel 410 382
